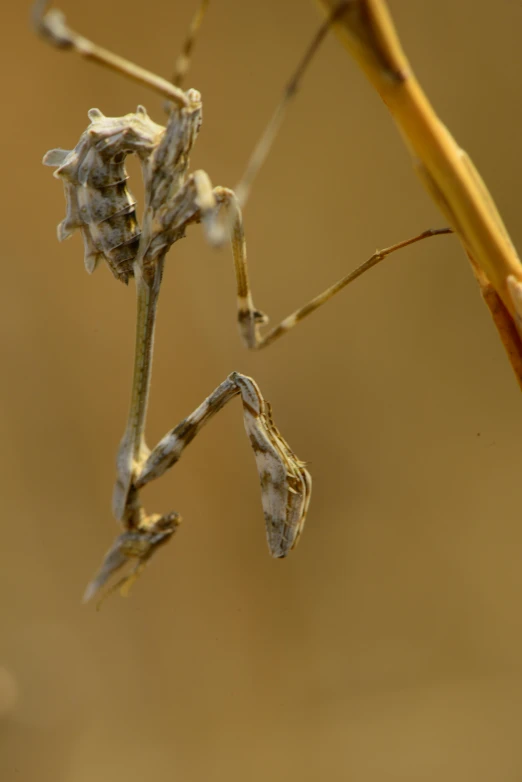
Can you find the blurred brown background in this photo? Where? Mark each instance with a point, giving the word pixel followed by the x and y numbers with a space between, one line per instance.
pixel 389 645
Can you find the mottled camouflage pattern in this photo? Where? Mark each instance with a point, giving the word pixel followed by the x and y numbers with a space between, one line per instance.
pixel 285 483
pixel 100 204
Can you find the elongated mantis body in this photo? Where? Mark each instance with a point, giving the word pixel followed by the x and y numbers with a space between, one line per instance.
pixel 101 207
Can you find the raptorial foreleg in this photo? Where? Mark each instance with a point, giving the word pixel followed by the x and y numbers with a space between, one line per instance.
pixel 285 482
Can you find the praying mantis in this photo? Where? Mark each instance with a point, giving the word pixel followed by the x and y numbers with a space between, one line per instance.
pixel 102 208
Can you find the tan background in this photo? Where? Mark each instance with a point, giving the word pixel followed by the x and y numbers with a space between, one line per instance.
pixel 389 645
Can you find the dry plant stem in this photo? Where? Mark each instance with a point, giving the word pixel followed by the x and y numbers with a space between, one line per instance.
pixel 507 330
pixel 367 31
